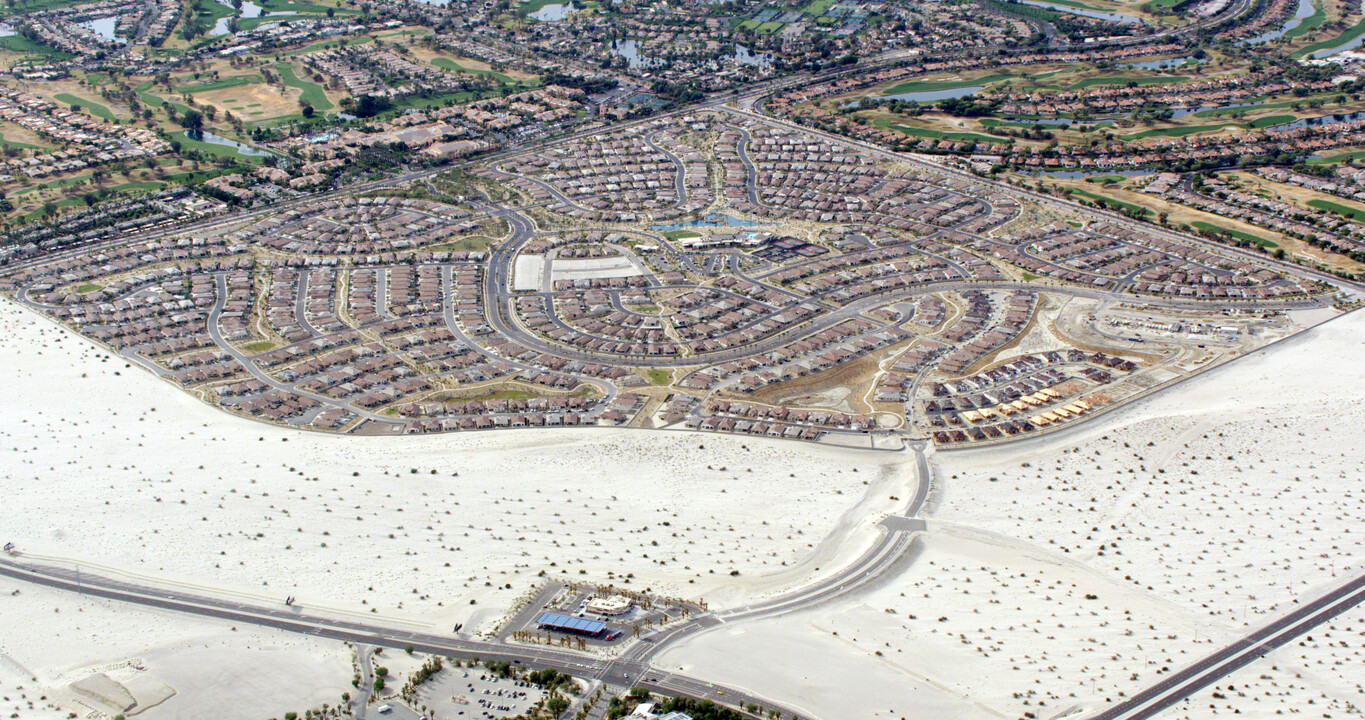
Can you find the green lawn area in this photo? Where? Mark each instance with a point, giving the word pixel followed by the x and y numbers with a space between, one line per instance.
pixel 1270 120
pixel 333 42
pixel 6 143
pixel 223 84
pixel 768 28
pixel 152 100
pixel 1112 203
pixel 1176 131
pixel 28 6
pixel 195 178
pixel 452 66
pixel 929 85
pixel 1338 208
pixel 21 44
pixel 468 243
pixel 312 93
pixel 302 7
pixel 137 185
pixel 260 346
pixel 533 6
pixel 931 134
pixel 1256 239
pixel 1081 5
pixel 244 24
pixel 90 106
pixel 1348 35
pixel 816 8
pixel 88 287
pixel 1220 112
pixel 749 24
pixel 218 150
pixel 1124 80
pixel 659 377
pixel 680 234
pixel 1341 158
pixel 441 100
pixel 1105 179
pixel 1310 23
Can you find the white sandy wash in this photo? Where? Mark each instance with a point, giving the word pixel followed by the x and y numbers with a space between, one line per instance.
pixel 104 464
pixel 1061 574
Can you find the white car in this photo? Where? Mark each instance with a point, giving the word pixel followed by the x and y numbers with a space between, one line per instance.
pixel 384 709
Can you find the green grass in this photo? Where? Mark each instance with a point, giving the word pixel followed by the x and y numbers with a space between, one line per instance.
pixel 816 8
pixel 226 151
pixel 1310 23
pixel 1346 36
pixel 929 85
pixel 768 28
pixel 1112 203
pixel 84 288
pixel 468 243
pixel 152 100
pixel 1338 208
pixel 413 101
pixel 223 84
pixel 1125 79
pixel 931 134
pixel 332 42
pixel 7 143
pixel 534 6
pixel 749 24
pixel 28 6
pixel 1180 131
pixel 1334 159
pixel 452 66
pixel 659 377
pixel 1022 10
pixel 39 213
pixel 245 24
pixel 90 106
pixel 1105 179
pixel 198 177
pixel 1270 120
pixel 1083 6
pixel 21 44
pixel 1256 239
pixel 312 93
pixel 137 185
pixel 680 234
pixel 302 7
pixel 1220 112
pixel 260 346
pixel 1029 277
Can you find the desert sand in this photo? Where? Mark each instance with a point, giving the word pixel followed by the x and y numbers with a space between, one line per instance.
pixel 106 466
pixel 1061 573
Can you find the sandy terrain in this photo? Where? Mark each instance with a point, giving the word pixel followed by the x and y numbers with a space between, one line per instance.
pixel 103 464
pixel 53 639
pixel 1063 572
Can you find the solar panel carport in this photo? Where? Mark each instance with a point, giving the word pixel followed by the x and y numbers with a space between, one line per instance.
pixel 564 623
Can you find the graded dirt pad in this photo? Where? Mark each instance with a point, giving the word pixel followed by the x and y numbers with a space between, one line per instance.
pixel 248 100
pixel 853 376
